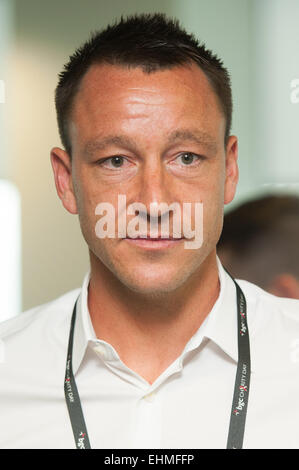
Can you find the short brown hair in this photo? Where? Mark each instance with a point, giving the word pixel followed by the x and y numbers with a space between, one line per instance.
pixel 149 41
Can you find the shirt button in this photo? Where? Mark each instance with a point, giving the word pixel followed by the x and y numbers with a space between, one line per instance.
pixel 100 349
pixel 150 397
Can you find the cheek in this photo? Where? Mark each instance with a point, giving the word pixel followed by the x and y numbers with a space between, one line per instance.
pixel 213 209
pixel 88 193
pixel 96 205
pixel 87 200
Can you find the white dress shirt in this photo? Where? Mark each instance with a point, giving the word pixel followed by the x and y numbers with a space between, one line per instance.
pixel 189 404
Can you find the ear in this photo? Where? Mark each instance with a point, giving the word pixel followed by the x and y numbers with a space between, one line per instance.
pixel 62 169
pixel 231 169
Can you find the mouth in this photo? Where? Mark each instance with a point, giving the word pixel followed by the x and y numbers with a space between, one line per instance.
pixel 154 243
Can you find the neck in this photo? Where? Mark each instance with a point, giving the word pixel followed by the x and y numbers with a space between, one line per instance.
pixel 149 332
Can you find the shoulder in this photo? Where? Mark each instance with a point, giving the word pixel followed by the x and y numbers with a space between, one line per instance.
pixel 269 303
pixel 45 317
pixel 273 328
pixel 33 348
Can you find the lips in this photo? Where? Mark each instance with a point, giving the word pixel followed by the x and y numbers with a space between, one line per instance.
pixel 155 238
pixel 155 243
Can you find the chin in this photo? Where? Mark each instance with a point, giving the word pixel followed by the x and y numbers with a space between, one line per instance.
pixel 153 285
pixel 151 290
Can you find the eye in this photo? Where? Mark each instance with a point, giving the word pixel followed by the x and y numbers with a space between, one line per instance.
pixel 116 161
pixel 187 158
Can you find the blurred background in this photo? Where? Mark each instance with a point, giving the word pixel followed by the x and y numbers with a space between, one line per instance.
pixel 42 252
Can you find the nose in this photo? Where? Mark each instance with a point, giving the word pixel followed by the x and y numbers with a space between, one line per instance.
pixel 155 186
pixel 155 190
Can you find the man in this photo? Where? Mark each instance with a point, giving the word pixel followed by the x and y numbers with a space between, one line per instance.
pixel 150 359
pixel 259 243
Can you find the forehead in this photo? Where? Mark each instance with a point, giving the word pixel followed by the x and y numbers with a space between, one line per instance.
pixel 110 94
pixel 101 81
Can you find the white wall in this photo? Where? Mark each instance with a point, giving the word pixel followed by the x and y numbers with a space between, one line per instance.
pixel 275 119
pixel 10 250
pixel 10 206
pixel 6 36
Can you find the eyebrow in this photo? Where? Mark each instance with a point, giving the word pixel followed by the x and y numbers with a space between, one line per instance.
pixel 196 136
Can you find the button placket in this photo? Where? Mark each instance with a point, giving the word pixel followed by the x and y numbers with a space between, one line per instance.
pixel 150 397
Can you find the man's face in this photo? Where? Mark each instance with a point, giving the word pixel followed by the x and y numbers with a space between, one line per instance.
pixel 151 121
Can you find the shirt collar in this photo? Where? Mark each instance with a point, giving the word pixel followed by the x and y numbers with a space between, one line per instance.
pixel 84 331
pixel 220 325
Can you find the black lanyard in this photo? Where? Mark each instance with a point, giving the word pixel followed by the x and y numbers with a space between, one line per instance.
pixel 240 397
